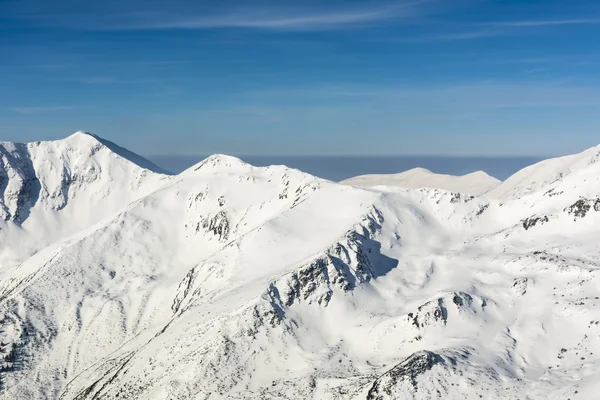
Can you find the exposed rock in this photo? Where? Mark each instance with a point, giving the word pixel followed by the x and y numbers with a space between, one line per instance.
pixel 520 285
pixel 405 373
pixel 455 198
pixel 533 221
pixel 218 225
pixel 436 311
pixel 580 208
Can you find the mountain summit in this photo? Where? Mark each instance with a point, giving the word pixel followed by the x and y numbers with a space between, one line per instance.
pixel 230 281
pixel 55 188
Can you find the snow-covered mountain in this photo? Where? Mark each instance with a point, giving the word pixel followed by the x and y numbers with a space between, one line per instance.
pixel 545 173
pixel 229 281
pixel 49 190
pixel 475 183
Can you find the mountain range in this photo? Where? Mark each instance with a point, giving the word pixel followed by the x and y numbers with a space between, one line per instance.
pixel 119 280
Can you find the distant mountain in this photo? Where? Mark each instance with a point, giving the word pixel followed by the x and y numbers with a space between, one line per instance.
pixel 475 183
pixel 229 281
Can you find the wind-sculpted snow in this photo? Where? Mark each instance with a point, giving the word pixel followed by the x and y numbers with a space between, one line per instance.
pixel 230 281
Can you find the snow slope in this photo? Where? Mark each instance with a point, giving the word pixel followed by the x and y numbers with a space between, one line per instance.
pixel 49 190
pixel 235 282
pixel 475 183
pixel 544 173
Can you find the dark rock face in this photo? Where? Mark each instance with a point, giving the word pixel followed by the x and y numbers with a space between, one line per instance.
pixel 429 313
pixel 218 225
pixel 406 372
pixel 552 193
pixel 345 265
pixel 533 221
pixel 581 207
pixel 354 260
pixel 19 185
pixel 435 312
pixel 482 209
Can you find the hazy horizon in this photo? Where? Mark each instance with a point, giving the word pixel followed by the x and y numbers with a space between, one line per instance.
pixel 337 168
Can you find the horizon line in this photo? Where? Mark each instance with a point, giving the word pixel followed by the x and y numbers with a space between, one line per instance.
pixel 355 155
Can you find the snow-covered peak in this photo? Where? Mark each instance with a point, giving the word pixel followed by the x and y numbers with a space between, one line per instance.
pixel 220 162
pixel 55 188
pixel 474 183
pixel 88 142
pixel 82 135
pixel 541 175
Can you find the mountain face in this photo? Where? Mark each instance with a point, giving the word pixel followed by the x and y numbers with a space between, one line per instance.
pixel 229 281
pixel 546 173
pixel 475 183
pixel 50 190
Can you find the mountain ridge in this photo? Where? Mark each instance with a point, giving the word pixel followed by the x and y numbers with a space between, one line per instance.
pixel 241 282
pixel 544 173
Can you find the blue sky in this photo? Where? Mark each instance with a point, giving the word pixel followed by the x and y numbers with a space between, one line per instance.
pixel 461 77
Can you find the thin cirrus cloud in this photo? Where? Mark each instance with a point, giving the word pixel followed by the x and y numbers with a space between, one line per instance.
pixel 261 18
pixel 492 29
pixel 548 22
pixel 110 80
pixel 454 36
pixel 277 21
pixel 476 95
pixel 44 109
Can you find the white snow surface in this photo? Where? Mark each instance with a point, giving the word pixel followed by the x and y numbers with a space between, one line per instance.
pixel 229 281
pixel 475 183
pixel 544 173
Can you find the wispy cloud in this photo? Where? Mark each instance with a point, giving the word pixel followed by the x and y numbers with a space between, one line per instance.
pixel 493 29
pixel 498 28
pixel 280 20
pixel 110 80
pixel 547 22
pixel 535 70
pixel 98 79
pixel 472 96
pixel 157 63
pixel 47 109
pixel 534 60
pixel 454 36
pixel 199 16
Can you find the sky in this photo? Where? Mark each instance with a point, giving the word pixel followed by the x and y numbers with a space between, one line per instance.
pixel 328 77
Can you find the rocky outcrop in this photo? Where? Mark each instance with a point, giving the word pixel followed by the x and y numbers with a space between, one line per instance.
pixel 530 222
pixel 19 185
pixel 218 225
pixel 581 207
pixel 435 312
pixel 520 285
pixel 432 375
pixel 405 373
pixel 345 265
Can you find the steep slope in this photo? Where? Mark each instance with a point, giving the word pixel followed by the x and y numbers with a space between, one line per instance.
pixel 95 293
pixel 474 183
pixel 50 190
pixel 542 174
pixel 235 282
